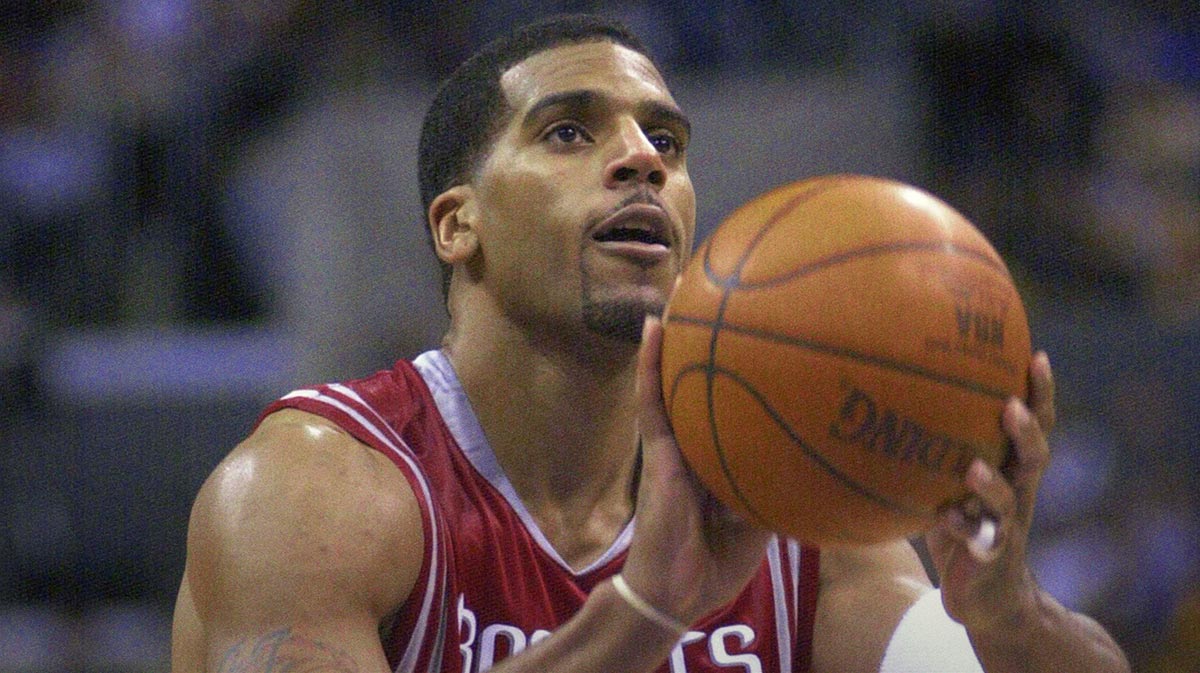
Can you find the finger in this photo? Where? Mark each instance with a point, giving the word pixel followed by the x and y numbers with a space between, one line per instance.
pixel 979 520
pixel 955 524
pixel 980 534
pixel 995 494
pixel 1041 390
pixel 653 422
pixel 1030 449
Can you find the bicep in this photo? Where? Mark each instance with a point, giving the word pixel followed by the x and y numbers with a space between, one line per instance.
pixel 310 645
pixel 299 544
pixel 187 636
pixel 864 594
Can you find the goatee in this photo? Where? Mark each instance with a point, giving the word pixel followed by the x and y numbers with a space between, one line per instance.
pixel 620 320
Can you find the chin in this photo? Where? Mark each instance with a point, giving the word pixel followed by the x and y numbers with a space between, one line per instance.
pixel 621 320
pixel 618 309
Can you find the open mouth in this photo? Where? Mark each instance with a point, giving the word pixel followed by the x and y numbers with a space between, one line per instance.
pixel 642 224
pixel 631 234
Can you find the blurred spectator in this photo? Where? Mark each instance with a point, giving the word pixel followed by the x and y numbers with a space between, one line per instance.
pixel 1180 649
pixel 54 181
pixel 326 202
pixel 1008 124
pixel 1085 174
pixel 107 170
pixel 1147 194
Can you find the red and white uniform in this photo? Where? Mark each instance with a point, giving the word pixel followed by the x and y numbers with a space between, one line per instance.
pixel 490 583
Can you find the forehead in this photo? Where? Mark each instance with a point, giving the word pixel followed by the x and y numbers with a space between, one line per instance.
pixel 598 66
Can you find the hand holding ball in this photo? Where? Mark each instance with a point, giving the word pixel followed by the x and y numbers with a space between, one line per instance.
pixel 836 355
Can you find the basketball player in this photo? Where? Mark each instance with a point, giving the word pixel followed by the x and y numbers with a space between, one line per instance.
pixel 515 500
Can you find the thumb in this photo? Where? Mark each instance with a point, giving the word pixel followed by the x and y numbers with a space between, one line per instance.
pixel 653 423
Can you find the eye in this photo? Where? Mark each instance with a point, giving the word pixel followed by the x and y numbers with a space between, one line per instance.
pixel 566 133
pixel 665 142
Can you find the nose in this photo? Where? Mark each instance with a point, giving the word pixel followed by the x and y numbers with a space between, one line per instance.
pixel 636 160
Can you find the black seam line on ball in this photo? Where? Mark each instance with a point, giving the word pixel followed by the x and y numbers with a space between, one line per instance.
pixel 710 369
pixel 849 354
pixel 808 451
pixel 735 282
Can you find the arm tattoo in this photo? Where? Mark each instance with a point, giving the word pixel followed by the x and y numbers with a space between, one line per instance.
pixel 285 651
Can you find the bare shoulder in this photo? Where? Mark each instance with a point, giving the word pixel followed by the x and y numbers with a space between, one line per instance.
pixel 864 593
pixel 301 525
pixel 851 565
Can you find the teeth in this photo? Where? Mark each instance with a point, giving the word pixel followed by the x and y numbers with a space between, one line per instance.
pixel 634 229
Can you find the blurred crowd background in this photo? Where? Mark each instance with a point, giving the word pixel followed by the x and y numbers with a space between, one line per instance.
pixel 205 204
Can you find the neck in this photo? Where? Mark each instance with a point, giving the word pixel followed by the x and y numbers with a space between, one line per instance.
pixel 556 421
pixel 560 413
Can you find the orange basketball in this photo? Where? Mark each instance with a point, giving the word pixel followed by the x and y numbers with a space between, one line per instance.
pixel 837 353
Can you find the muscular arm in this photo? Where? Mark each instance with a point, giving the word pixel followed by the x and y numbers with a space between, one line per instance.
pixel 303 541
pixel 1045 636
pixel 300 543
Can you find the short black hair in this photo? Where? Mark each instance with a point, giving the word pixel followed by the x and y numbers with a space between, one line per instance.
pixel 469 107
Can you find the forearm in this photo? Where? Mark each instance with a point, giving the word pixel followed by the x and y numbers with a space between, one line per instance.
pixel 1045 636
pixel 606 635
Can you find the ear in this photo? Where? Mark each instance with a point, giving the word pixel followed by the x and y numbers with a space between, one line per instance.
pixel 452 219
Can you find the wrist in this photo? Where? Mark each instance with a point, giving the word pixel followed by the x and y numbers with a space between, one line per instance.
pixel 1023 620
pixel 607 634
pixel 1042 635
pixel 646 610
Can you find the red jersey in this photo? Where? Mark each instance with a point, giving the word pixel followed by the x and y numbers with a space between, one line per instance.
pixel 490 583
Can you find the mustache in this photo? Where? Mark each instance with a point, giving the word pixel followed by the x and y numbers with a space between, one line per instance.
pixel 642 196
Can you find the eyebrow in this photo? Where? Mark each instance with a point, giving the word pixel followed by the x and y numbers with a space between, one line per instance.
pixel 581 99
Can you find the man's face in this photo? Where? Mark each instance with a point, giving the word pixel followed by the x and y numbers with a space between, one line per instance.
pixel 586 208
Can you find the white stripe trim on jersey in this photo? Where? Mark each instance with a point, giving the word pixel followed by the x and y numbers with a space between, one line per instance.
pixel 783 633
pixel 793 548
pixel 408 662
